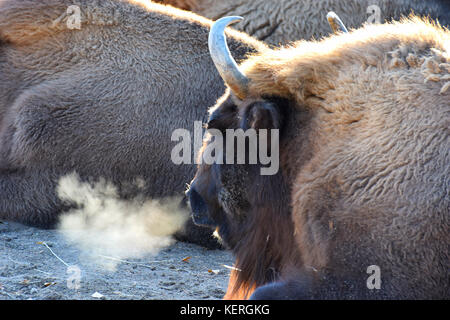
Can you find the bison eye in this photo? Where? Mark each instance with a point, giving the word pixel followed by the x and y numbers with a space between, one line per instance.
pixel 222 118
pixel 212 124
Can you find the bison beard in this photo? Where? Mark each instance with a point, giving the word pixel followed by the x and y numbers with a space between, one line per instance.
pixel 261 253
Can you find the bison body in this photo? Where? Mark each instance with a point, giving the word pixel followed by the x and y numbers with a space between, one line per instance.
pixel 101 99
pixel 284 21
pixel 363 185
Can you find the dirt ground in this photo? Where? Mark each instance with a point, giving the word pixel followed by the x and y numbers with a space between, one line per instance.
pixel 40 264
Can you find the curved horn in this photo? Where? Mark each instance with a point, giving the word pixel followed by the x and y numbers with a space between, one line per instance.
pixel 220 54
pixel 336 23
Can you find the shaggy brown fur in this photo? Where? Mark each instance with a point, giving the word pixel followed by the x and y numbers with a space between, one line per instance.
pixel 102 101
pixel 282 21
pixel 364 153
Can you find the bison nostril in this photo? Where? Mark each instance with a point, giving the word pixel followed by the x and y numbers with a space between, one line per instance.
pixel 199 208
pixel 196 201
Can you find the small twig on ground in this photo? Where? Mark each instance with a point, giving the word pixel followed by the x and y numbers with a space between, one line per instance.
pixel 46 245
pixel 128 262
pixel 47 273
pixel 231 268
pixel 17 262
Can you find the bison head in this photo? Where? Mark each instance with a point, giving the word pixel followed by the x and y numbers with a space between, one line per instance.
pixel 356 113
pixel 234 198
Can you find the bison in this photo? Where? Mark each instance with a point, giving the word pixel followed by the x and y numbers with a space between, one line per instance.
pixel 360 207
pixel 283 21
pixel 97 87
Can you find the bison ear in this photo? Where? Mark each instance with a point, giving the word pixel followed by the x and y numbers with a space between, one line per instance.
pixel 261 115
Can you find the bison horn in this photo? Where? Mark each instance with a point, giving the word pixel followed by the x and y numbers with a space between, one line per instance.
pixel 224 62
pixel 336 23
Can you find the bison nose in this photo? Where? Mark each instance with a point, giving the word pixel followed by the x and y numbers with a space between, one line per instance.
pixel 199 208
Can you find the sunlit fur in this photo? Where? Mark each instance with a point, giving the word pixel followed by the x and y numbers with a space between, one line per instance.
pixel 311 67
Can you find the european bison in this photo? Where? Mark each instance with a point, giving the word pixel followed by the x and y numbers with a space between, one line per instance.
pixel 360 207
pixel 283 21
pixel 98 87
